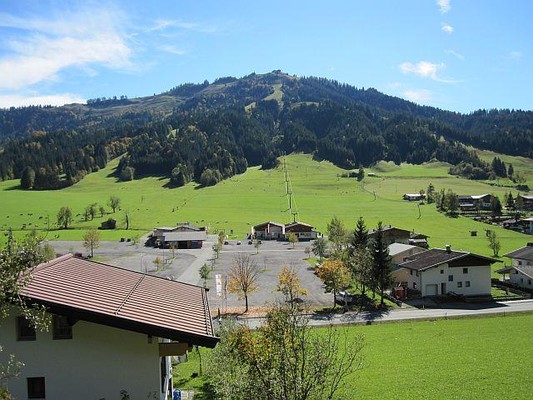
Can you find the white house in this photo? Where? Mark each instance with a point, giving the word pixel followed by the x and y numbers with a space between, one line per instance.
pixel 414 196
pixel 399 253
pixel 521 269
pixel 438 272
pixel 113 330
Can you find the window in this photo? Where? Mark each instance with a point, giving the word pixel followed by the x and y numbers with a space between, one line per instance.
pixel 441 271
pixel 529 281
pixel 25 330
pixel 414 285
pixel 519 262
pixel 36 388
pixel 411 271
pixel 416 273
pixel 467 283
pixel 459 284
pixel 61 327
pixel 450 278
pixel 465 270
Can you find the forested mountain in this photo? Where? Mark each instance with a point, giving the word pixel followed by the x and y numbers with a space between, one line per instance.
pixel 210 131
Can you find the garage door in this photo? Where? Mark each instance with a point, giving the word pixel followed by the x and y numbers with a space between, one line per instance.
pixel 431 290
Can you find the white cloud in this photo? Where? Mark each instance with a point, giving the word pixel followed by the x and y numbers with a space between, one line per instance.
pixel 515 55
pixel 7 101
pixel 172 50
pixel 447 28
pixel 164 24
pixel 425 69
pixel 84 39
pixel 455 54
pixel 444 6
pixel 421 96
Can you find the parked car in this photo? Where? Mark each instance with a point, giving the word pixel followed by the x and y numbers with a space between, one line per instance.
pixel 344 297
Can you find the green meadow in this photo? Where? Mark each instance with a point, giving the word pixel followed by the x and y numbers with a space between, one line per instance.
pixel 475 358
pixel 317 193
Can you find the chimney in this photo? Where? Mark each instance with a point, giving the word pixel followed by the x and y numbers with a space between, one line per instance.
pixel 448 248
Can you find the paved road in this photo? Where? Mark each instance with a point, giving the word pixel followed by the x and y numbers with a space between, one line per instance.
pixel 452 311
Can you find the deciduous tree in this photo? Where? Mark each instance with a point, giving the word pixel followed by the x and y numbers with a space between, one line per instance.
pixel 451 202
pixel 242 277
pixel 319 247
pixel 28 178
pixel 91 240
pixel 289 284
pixel 335 276
pixel 114 203
pixel 284 359
pixel 337 235
pixel 292 238
pixel 16 259
pixel 204 273
pixel 494 243
pixel 64 217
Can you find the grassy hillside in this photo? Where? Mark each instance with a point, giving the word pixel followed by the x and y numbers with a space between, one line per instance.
pixel 318 194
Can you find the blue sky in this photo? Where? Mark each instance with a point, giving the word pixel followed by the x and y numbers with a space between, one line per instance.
pixel 459 55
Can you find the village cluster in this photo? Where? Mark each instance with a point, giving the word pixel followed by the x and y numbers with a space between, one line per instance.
pixel 109 318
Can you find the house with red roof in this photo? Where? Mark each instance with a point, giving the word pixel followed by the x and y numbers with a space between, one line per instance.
pixel 113 330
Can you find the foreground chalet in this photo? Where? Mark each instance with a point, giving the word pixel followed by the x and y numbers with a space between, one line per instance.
pixel 441 272
pixel 112 330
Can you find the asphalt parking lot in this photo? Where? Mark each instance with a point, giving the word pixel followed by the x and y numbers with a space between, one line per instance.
pixel 184 265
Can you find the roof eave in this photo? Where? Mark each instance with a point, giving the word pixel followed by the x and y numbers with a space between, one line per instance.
pixel 130 325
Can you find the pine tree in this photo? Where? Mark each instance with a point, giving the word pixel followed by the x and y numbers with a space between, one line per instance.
pixel 430 193
pixel 382 262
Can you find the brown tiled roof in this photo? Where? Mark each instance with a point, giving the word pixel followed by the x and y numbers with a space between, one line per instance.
pixel 524 253
pixel 434 257
pixel 113 296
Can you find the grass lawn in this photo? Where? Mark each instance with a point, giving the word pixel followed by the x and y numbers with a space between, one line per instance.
pixel 318 194
pixel 474 358
pixel 448 359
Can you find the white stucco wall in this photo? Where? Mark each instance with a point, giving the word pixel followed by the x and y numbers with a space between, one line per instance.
pixel 97 363
pixel 520 279
pixel 479 278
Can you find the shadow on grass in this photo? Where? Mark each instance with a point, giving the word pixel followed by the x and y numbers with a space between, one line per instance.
pixel 207 392
pixel 14 187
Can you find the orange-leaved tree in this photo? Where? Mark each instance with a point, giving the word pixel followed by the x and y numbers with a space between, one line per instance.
pixel 289 284
pixel 335 276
